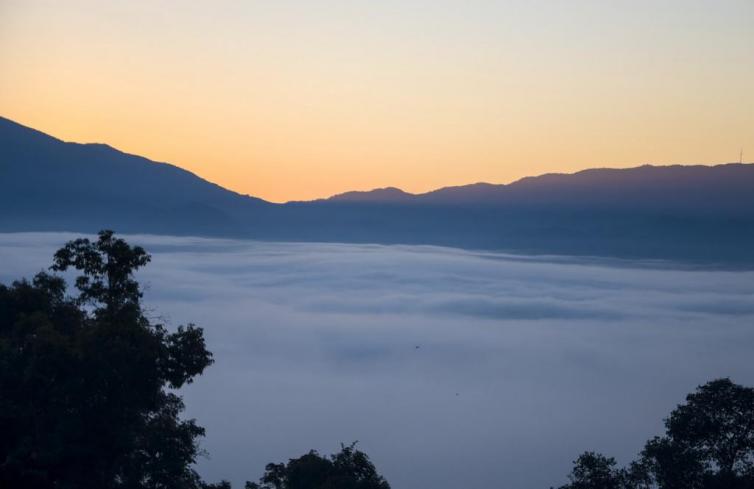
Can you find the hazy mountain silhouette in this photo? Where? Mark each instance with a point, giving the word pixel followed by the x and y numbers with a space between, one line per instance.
pixel 696 213
pixel 387 194
pixel 49 184
pixel 699 188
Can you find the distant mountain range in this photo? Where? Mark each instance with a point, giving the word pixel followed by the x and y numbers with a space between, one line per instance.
pixel 702 189
pixel 701 214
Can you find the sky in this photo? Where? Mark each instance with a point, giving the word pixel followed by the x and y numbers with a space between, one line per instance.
pixel 523 363
pixel 293 100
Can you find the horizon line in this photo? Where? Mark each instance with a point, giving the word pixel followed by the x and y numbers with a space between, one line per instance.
pixel 378 188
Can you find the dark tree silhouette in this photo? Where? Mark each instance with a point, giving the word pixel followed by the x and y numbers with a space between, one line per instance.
pixel 594 471
pixel 107 265
pixel 348 469
pixel 86 382
pixel 709 440
pixel 708 444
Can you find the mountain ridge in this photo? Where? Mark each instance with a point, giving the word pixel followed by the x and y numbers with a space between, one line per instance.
pixel 698 175
pixel 689 213
pixel 389 193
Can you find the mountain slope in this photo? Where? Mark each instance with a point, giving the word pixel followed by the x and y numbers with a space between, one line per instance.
pixel 698 188
pixel 683 213
pixel 46 183
pixel 379 195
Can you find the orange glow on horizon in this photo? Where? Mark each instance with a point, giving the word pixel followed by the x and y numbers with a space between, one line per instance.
pixel 292 102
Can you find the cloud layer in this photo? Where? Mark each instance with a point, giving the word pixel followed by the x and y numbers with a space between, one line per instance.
pixel 522 362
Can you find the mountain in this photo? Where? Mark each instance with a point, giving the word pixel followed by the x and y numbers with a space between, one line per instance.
pixel 49 184
pixel 698 188
pixel 379 195
pixel 698 214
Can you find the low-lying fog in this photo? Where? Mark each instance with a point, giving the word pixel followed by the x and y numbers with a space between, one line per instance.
pixel 451 368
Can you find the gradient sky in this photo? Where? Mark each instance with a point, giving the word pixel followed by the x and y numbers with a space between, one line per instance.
pixel 296 100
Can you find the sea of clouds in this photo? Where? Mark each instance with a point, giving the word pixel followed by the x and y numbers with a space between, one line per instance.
pixel 451 368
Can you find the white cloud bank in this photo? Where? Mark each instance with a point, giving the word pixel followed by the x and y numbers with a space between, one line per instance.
pixel 522 363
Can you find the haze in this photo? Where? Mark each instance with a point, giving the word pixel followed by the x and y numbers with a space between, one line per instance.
pixel 521 364
pixel 297 100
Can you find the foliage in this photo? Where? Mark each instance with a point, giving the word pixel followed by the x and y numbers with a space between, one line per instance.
pixel 708 444
pixel 594 471
pixel 86 382
pixel 348 469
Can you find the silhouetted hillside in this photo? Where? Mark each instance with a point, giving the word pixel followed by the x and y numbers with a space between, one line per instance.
pixel 687 213
pixel 696 188
pixel 48 184
pixel 387 194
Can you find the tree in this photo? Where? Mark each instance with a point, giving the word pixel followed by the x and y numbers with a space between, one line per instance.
pixel 348 469
pixel 709 440
pixel 87 382
pixel 708 444
pixel 107 266
pixel 594 471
